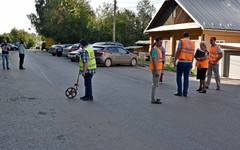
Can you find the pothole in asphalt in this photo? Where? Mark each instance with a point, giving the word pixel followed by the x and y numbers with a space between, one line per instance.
pixel 42 113
pixel 60 137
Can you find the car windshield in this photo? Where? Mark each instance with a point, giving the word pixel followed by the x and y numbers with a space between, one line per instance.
pixel 54 46
pixel 65 46
pixel 75 46
pixel 98 48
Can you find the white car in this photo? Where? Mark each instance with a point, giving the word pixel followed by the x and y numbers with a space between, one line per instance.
pixel 65 51
pixel 74 55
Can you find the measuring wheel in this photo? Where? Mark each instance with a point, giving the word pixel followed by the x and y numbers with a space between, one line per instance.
pixel 71 92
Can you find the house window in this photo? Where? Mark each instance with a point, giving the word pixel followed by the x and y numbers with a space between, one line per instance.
pixel 165 43
pixel 174 13
pixel 220 41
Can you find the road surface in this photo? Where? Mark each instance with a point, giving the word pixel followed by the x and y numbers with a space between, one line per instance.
pixel 36 115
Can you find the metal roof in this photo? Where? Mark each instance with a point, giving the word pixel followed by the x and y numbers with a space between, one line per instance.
pixel 208 14
pixel 213 14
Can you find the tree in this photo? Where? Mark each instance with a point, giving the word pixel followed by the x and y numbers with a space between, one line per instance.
pixel 15 35
pixel 145 13
pixel 64 20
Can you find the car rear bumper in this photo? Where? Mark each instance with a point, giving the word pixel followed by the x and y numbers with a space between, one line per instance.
pixel 72 56
pixel 52 51
pixel 99 60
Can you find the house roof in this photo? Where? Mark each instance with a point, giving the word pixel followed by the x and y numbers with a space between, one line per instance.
pixel 235 46
pixel 143 42
pixel 175 27
pixel 210 14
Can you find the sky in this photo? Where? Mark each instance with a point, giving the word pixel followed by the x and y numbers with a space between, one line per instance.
pixel 15 14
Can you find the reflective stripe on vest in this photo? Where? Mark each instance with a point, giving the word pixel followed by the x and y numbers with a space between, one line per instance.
pixel 91 59
pixel 187 50
pixel 159 60
pixel 214 53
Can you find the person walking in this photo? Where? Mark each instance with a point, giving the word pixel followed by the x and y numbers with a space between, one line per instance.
pixel 5 54
pixel 87 65
pixel 21 48
pixel 215 55
pixel 156 66
pixel 202 66
pixel 184 55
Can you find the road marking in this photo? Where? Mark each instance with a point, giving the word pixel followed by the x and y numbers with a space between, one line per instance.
pixel 42 72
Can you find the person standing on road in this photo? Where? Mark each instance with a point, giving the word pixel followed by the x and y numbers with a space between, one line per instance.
pixel 162 49
pixel 5 54
pixel 156 66
pixel 215 55
pixel 184 55
pixel 87 65
pixel 202 66
pixel 21 48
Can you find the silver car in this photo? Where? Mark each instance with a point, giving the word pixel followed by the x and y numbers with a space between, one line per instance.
pixel 74 55
pixel 65 51
pixel 112 55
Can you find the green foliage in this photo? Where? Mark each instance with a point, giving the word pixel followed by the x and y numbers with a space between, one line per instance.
pixel 68 21
pixel 15 35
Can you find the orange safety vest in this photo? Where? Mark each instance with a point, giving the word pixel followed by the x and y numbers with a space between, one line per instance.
pixel 213 53
pixel 187 50
pixel 203 63
pixel 159 62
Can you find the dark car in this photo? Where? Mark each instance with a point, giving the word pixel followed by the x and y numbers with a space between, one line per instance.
pixel 12 47
pixel 52 50
pixel 44 45
pixel 60 48
pixel 107 43
pixel 112 55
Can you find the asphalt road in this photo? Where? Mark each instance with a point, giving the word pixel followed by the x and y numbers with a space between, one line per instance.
pixel 36 115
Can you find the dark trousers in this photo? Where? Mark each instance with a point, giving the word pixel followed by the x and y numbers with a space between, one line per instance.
pixel 88 85
pixel 21 61
pixel 183 68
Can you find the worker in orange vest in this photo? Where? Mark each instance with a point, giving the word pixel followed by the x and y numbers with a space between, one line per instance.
pixel 184 55
pixel 215 55
pixel 202 66
pixel 156 66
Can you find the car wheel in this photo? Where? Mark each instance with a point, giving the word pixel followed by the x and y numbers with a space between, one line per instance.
pixel 59 54
pixel 73 60
pixel 108 62
pixel 133 62
pixel 53 54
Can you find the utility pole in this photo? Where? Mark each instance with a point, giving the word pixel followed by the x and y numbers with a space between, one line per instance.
pixel 114 21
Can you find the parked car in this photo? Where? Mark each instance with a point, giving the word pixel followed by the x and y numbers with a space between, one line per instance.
pixel 74 48
pixel 112 55
pixel 107 43
pixel 52 49
pixel 65 51
pixel 37 47
pixel 60 48
pixel 74 55
pixel 12 47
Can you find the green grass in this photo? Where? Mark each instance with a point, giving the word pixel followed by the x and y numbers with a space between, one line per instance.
pixel 143 61
pixel 168 67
